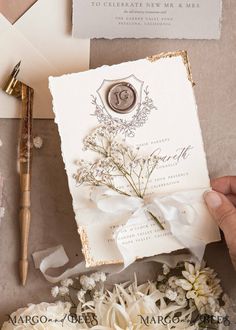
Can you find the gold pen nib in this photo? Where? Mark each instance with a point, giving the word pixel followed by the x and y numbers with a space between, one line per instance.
pixel 16 70
pixel 13 86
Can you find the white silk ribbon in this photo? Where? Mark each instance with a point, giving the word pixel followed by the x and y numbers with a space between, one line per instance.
pixel 176 212
pixel 56 257
pixel 53 258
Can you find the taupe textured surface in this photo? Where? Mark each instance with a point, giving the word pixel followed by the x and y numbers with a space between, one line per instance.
pixel 214 71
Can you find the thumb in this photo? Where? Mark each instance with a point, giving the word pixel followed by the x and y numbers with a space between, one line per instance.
pixel 224 213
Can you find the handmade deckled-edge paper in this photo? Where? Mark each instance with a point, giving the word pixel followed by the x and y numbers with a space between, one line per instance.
pixel 198 19
pixel 171 126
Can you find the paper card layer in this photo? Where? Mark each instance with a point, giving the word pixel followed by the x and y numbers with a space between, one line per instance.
pixel 47 25
pixel 198 19
pixel 42 40
pixel 34 72
pixel 170 126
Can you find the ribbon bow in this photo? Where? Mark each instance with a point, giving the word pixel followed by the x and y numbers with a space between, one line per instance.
pixel 176 211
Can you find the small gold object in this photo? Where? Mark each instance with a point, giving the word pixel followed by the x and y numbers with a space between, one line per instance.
pixel 25 94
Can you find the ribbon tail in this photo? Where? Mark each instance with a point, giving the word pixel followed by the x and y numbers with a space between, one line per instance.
pixel 179 216
pixel 53 258
pixel 129 254
pixel 171 260
pixel 194 245
pixel 56 257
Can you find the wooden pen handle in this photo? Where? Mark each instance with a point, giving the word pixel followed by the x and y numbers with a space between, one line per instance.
pixel 24 93
pixel 25 218
pixel 25 159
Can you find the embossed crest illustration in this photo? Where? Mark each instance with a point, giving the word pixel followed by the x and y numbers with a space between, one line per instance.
pixel 123 103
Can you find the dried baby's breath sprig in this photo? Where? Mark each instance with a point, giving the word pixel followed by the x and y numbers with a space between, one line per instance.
pixel 55 291
pixel 87 283
pixel 116 160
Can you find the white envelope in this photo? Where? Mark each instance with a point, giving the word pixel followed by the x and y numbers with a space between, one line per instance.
pixel 42 40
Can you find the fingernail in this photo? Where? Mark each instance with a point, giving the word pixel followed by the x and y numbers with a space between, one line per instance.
pixel 212 199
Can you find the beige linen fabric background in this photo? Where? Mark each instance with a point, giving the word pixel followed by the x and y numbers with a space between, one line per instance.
pixel 214 71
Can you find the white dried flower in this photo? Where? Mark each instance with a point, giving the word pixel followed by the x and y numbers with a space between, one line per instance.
pixel 171 295
pixel 172 282
pixel 222 312
pixel 103 277
pixel 211 301
pixel 98 277
pixel 166 269
pixel 181 300
pixel 55 291
pixel 184 284
pixel 1 144
pixel 80 295
pixel 67 282
pixel 201 284
pixel 162 287
pixel 63 291
pixel 87 282
pixel 191 295
pixel 98 295
pixel 181 292
pixel 38 142
pixel 160 278
pixel 121 308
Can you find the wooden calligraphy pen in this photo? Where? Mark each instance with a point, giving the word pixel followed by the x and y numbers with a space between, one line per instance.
pixel 25 93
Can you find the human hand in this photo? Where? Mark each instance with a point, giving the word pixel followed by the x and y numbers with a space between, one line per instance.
pixel 222 205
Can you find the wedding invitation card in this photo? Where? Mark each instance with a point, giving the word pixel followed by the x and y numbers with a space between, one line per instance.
pixel 178 19
pixel 134 156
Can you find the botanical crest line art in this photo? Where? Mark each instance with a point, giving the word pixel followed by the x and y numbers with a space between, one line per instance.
pixel 126 125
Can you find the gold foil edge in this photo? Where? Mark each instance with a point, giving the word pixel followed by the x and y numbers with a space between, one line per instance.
pixel 90 261
pixel 185 58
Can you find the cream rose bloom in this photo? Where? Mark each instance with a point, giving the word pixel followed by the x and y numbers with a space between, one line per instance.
pixel 44 316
